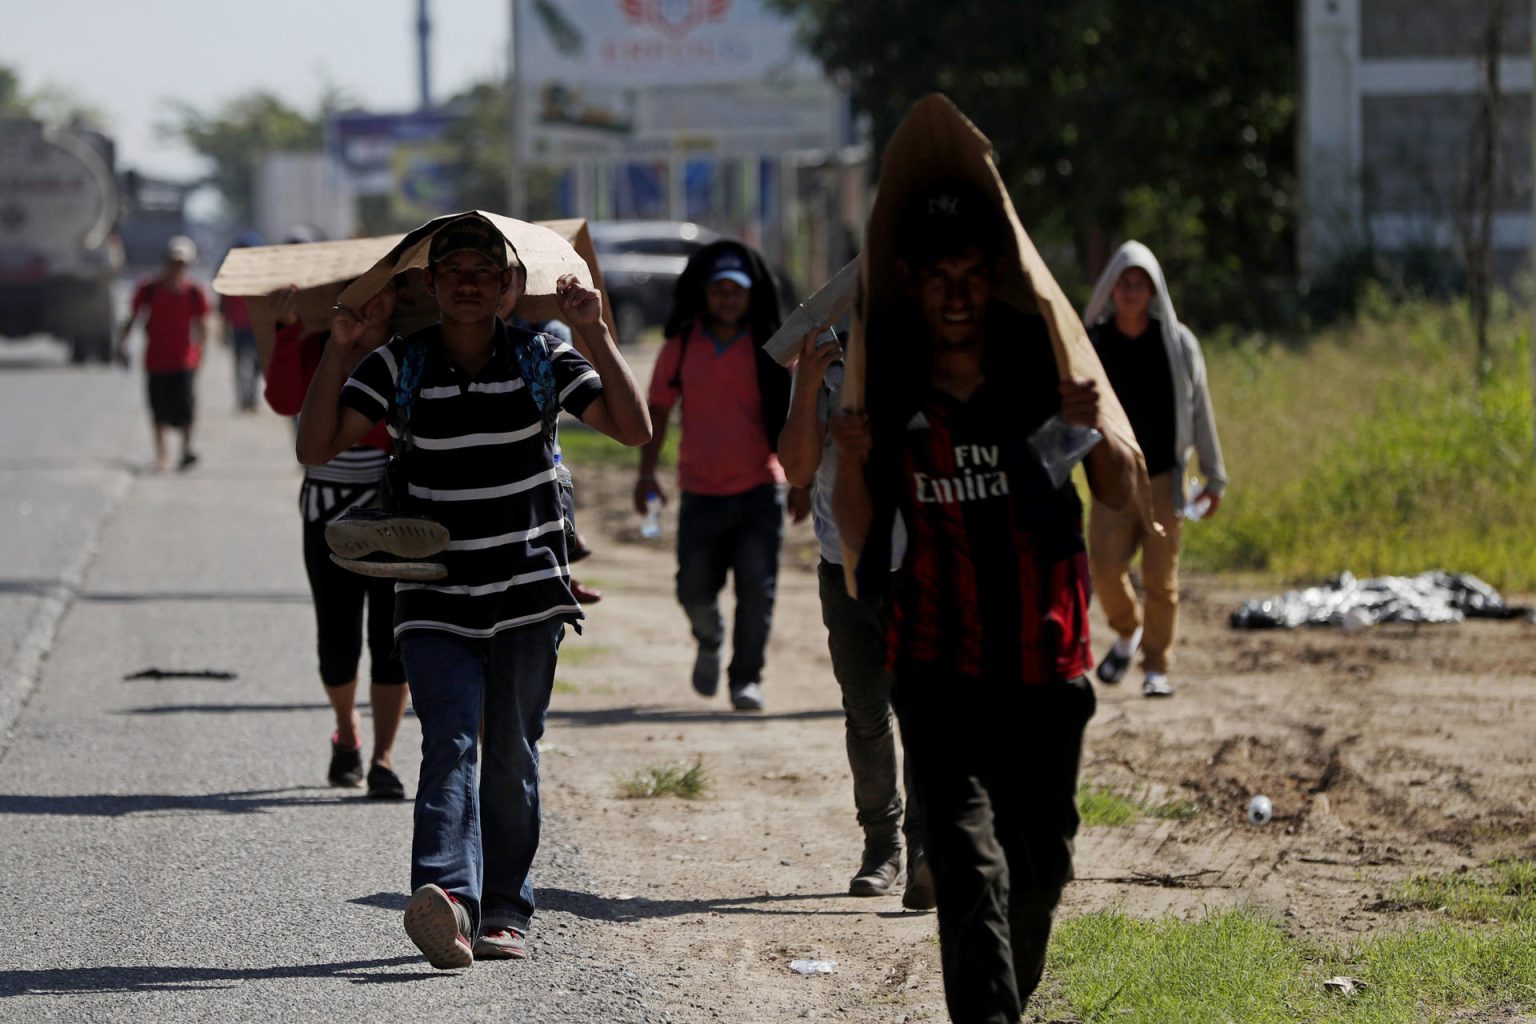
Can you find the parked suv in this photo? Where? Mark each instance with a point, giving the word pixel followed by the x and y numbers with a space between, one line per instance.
pixel 641 261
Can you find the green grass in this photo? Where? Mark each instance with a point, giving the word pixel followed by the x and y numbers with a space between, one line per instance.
pixel 688 783
pixel 1376 448
pixel 1238 966
pixel 1100 805
pixel 561 686
pixel 580 445
pixel 582 654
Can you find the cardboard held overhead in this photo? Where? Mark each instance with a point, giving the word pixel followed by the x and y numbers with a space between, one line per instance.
pixel 936 143
pixel 547 251
pixel 322 269
pixel 319 269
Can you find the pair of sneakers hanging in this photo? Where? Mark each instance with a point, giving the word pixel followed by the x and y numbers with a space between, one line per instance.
pixel 392 545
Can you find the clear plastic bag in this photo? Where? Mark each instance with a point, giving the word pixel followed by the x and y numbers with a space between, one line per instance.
pixel 1060 446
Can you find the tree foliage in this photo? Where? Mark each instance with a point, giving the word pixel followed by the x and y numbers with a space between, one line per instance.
pixel 235 137
pixel 52 104
pixel 1165 120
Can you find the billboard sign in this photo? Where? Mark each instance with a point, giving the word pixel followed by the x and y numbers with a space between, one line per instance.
pixel 634 78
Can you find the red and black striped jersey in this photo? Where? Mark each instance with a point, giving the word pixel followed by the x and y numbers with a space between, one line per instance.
pixel 995 583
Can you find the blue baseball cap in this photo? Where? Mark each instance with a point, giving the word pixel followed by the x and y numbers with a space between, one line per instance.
pixel 729 266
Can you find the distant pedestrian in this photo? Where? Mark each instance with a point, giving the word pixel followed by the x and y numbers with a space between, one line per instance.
pixel 856 638
pixel 241 338
pixel 1156 368
pixel 476 400
pixel 734 399
pixel 176 309
pixel 353 479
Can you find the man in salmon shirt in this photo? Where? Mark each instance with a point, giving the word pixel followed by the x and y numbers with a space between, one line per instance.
pixel 175 329
pixel 735 399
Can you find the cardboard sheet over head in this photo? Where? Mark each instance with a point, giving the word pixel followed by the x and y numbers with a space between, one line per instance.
pixel 937 145
pixel 318 269
pixel 547 251
pixel 322 269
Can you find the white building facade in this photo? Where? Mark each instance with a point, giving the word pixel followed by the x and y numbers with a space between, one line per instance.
pixel 1390 100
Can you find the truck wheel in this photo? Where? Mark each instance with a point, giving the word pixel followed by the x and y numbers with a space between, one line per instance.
pixel 96 348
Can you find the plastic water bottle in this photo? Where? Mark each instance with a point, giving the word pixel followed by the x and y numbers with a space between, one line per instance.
pixel 650 526
pixel 562 474
pixel 1196 502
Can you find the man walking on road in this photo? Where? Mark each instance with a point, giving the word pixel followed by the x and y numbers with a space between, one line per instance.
pixel 856 639
pixel 734 401
pixel 175 328
pixel 1157 370
pixel 476 400
pixel 989 644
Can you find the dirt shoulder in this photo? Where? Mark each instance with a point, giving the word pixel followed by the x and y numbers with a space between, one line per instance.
pixel 1386 753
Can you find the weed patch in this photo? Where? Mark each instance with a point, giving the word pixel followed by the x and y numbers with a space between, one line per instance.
pixel 687 783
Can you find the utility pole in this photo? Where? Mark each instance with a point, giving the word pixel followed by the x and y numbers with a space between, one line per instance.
pixel 424 53
pixel 517 174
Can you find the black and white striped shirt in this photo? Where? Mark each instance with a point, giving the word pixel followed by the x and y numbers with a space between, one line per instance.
pixel 483 466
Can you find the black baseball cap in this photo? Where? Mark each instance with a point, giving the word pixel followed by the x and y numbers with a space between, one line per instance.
pixel 475 234
pixel 946 218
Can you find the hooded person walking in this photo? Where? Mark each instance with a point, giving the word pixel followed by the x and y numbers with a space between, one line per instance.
pixel 1155 365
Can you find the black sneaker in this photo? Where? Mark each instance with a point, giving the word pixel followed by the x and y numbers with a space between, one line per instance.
pixel 392 567
pixel 919 892
pixel 188 460
pixel 346 766
pixel 880 869
pixel 363 531
pixel 706 673
pixel 1112 669
pixel 439 925
pixel 384 784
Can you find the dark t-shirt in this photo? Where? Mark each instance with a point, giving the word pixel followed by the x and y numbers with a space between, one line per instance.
pixel 995 582
pixel 1138 371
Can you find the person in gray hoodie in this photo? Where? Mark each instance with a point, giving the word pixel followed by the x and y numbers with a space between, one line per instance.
pixel 1157 370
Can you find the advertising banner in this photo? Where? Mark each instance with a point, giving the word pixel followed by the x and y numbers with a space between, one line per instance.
pixel 631 78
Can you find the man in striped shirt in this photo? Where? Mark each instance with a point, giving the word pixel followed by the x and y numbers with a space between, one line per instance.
pixel 483 640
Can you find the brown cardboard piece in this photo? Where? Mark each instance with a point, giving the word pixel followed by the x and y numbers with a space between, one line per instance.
pixel 321 269
pixel 937 143
pixel 548 251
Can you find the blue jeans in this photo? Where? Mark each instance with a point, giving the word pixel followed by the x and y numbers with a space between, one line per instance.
pixel 739 533
pixel 478 841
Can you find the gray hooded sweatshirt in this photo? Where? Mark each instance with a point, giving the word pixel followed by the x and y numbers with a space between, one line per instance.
pixel 1195 423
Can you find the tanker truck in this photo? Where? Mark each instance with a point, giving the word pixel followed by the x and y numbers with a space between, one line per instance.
pixel 58 255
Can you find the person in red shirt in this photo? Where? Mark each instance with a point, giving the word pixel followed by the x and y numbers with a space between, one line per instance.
pixel 989 640
pixel 353 479
pixel 735 399
pixel 176 308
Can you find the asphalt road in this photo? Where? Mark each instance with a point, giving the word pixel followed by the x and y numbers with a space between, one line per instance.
pixel 169 850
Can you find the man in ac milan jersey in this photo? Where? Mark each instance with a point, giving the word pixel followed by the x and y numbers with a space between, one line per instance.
pixel 989 643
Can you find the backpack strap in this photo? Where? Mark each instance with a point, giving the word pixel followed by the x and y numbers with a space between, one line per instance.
pixel 538 370
pixel 407 388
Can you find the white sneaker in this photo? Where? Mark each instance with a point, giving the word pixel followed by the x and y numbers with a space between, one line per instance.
pixel 1156 685
pixel 747 698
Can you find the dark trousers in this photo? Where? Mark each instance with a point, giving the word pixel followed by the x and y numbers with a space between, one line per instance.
pixel 740 534
pixel 856 639
pixel 996 766
pixel 339 599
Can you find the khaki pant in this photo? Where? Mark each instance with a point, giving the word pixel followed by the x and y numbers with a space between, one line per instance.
pixel 1113 538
